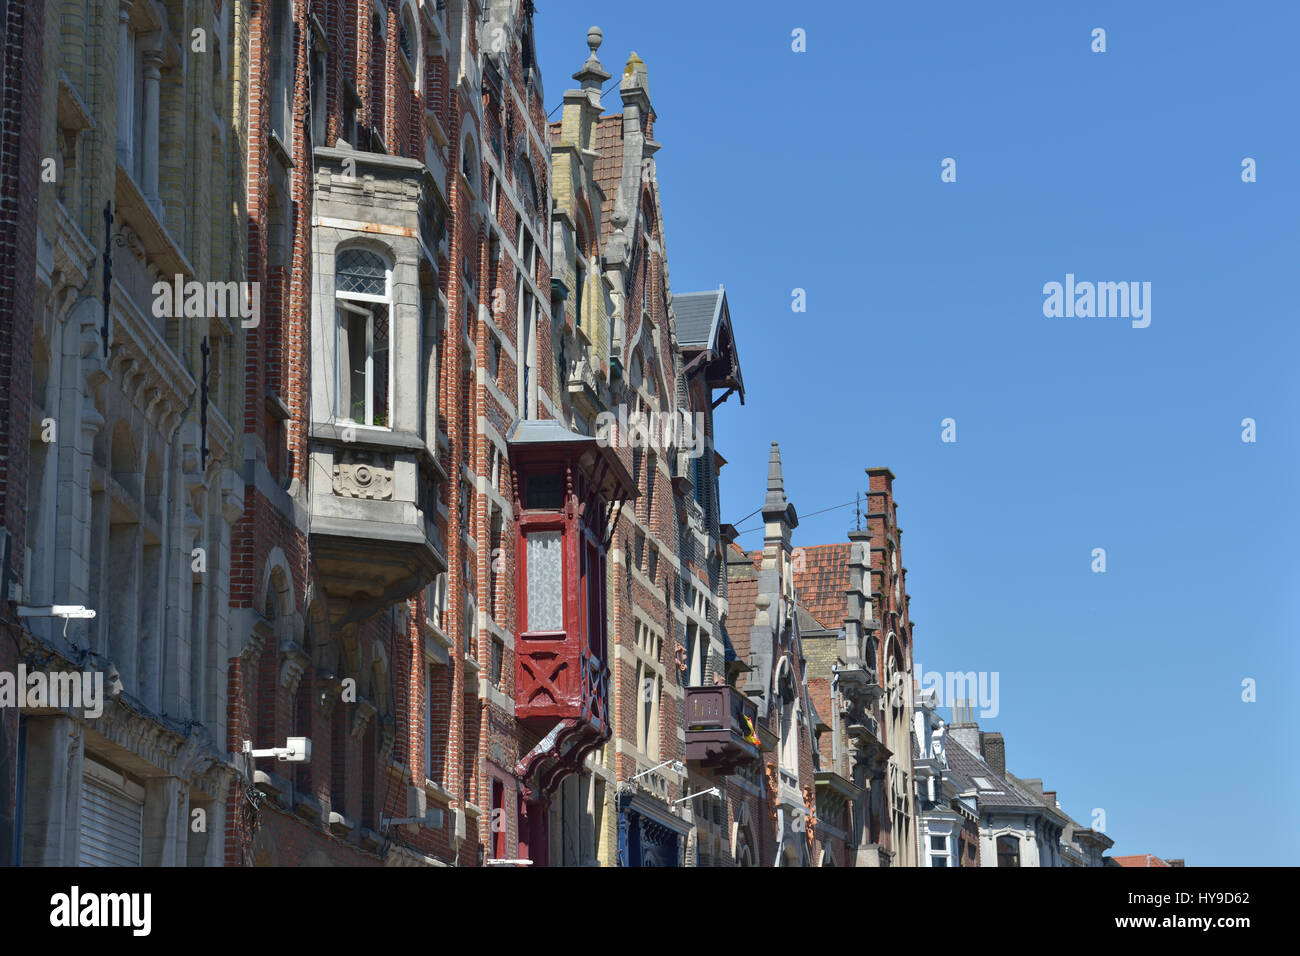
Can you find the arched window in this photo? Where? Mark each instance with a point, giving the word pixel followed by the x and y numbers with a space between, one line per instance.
pixel 526 184
pixel 1008 851
pixel 362 298
pixel 407 40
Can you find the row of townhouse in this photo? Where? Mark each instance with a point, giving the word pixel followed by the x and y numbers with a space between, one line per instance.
pixel 349 391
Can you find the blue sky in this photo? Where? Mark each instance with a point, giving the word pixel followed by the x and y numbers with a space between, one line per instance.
pixel 821 170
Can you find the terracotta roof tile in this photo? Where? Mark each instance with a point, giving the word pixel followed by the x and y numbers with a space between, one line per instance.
pixel 740 616
pixel 821 574
pixel 1139 859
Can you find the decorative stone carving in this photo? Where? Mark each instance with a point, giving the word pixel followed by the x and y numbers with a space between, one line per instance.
pixel 261 632
pixel 387 737
pixel 364 711
pixel 363 475
pixel 293 663
pixel 329 690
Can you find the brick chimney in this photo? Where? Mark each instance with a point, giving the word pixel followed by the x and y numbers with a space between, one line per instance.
pixel 964 728
pixel 1051 797
pixel 994 751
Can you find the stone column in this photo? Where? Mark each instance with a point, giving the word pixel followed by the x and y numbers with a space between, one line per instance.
pixel 51 825
pixel 161 811
pixel 125 85
pixel 149 145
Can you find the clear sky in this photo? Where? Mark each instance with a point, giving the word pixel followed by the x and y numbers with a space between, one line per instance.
pixel 821 170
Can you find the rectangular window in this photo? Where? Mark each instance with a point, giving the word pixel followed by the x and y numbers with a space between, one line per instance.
pixel 428 721
pixel 580 287
pixel 318 91
pixel 497 820
pixel 435 601
pixel 694 655
pixel 595 586
pixel 498 661
pixel 1008 851
pixel 470 622
pixel 545 581
pixel 363 371
pixel 544 493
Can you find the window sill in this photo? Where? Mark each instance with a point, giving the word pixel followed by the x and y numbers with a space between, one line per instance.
pixel 280 151
pixel 436 792
pixel 438 634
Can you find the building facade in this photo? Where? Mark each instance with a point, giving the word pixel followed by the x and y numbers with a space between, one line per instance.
pixel 345 403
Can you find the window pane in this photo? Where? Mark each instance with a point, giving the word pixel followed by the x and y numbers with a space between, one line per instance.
pixel 359 270
pixel 544 493
pixel 380 366
pixel 352 400
pixel 545 582
pixel 939 843
pixel 595 588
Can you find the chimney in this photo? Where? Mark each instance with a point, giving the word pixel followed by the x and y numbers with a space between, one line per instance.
pixel 1176 862
pixel 1051 797
pixel 994 750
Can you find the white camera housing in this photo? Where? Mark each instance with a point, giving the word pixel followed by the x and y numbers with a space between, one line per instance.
pixel 295 750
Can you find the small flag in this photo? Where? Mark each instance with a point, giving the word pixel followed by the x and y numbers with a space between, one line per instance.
pixel 752 736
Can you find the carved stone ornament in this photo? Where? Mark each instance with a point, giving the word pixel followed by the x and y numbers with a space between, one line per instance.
pixel 363 477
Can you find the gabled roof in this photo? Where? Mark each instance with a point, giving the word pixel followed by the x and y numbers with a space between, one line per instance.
pixel 704 326
pixel 698 315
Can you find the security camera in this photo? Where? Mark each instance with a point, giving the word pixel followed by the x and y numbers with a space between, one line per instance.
pixel 295 750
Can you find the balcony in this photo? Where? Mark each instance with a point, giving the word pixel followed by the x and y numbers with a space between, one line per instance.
pixel 372 445
pixel 716 728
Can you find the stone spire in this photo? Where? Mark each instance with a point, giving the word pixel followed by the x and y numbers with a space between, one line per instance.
pixel 776 500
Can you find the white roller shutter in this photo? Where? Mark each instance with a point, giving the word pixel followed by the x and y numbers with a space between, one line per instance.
pixel 112 810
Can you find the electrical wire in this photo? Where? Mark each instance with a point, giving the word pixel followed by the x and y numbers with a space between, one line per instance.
pixel 809 515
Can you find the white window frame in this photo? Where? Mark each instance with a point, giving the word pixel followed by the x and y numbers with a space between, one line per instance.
pixel 342 302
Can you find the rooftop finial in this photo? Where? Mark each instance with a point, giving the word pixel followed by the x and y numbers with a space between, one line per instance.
pixel 594 38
